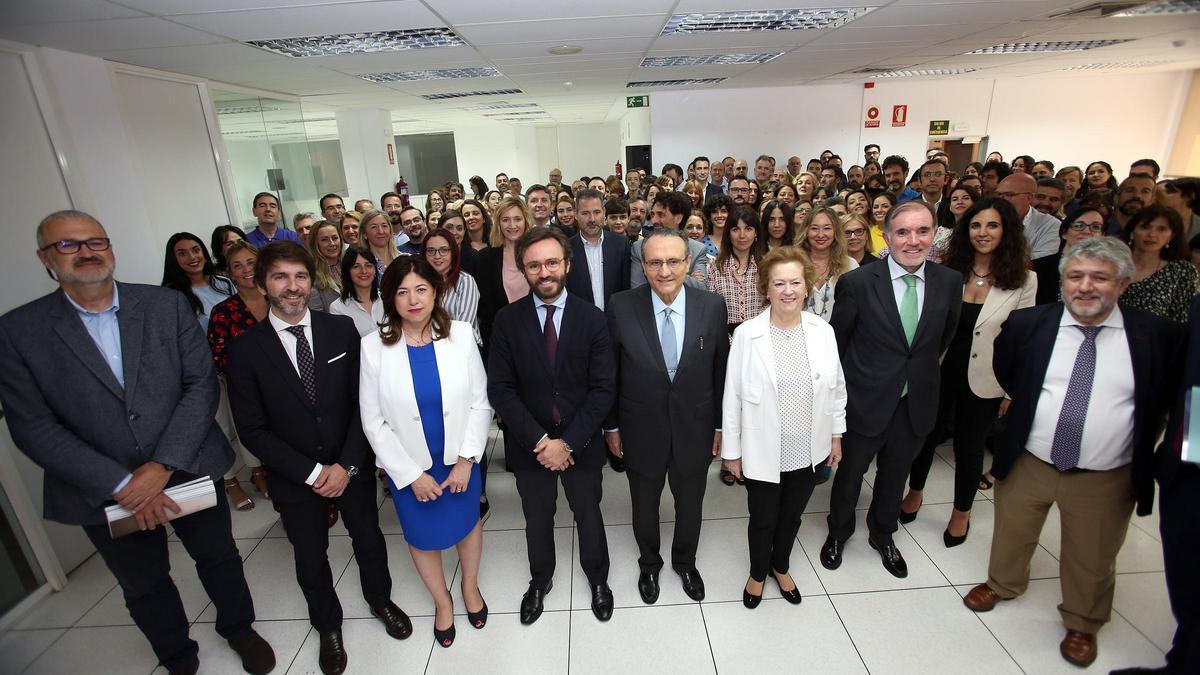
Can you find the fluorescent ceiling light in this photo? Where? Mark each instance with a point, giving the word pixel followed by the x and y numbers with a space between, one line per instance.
pixel 444 74
pixel 763 19
pixel 501 105
pixel 1033 47
pixel 516 113
pixel 465 94
pixel 676 83
pixel 361 43
pixel 242 109
pixel 1118 66
pixel 707 60
pixel 933 72
pixel 1164 8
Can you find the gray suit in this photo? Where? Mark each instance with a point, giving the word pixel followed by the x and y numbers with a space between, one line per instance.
pixel 68 412
pixel 698 252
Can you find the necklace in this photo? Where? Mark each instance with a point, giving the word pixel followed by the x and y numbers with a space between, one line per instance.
pixel 418 341
pixel 980 279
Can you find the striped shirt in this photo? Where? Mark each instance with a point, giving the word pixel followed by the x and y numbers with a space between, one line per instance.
pixel 462 302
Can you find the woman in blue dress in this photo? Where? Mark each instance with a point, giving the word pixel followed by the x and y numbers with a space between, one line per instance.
pixel 423 396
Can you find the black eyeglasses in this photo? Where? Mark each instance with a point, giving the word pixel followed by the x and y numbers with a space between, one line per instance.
pixel 69 246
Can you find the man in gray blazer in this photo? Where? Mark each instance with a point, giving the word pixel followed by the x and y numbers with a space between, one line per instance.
pixel 670 210
pixel 110 388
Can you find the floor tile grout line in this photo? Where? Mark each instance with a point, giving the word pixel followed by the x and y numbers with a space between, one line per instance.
pixel 571 601
pixel 1139 630
pixel 300 649
pixel 708 638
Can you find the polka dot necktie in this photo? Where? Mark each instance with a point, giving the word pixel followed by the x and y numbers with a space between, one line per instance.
pixel 304 363
pixel 1068 433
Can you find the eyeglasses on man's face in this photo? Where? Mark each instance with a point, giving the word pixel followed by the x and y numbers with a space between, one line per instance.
pixel 671 263
pixel 552 265
pixel 69 246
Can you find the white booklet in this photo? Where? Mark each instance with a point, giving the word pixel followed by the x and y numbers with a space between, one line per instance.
pixel 192 496
pixel 1191 427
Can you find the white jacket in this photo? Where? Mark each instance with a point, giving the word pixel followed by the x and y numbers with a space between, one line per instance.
pixel 996 308
pixel 388 403
pixel 750 428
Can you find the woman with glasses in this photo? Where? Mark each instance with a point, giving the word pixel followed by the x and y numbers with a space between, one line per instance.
pixel 436 201
pixel 800 215
pixel 1082 223
pixel 822 238
pixel 462 293
pixel 1164 279
pixel 858 239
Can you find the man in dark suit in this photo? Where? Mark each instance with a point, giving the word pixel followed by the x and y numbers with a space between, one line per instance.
pixel 293 389
pixel 599 259
pixel 671 345
pixel 893 323
pixel 110 388
pixel 550 377
pixel 1078 436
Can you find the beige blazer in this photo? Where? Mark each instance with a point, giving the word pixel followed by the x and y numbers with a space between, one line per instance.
pixel 388 403
pixel 750 428
pixel 996 308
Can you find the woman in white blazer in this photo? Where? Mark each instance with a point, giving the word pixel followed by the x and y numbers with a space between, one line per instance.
pixel 988 247
pixel 425 411
pixel 784 412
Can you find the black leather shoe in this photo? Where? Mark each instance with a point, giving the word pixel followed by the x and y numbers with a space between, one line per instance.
pixel 893 562
pixel 906 517
pixel 793 596
pixel 395 621
pixel 602 601
pixel 831 553
pixel 693 585
pixel 444 638
pixel 616 463
pixel 533 603
pixel 648 587
pixel 478 619
pixel 1140 671
pixel 333 653
pixel 189 668
pixel 257 656
pixel 750 601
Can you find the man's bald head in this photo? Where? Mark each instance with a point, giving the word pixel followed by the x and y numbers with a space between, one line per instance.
pixel 1018 189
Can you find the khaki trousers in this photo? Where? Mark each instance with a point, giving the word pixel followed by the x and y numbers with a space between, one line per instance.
pixel 1095 508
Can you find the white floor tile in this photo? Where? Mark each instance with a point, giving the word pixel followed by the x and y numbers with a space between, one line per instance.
pixel 623 572
pixel 369 649
pixel 724 561
pixel 86 586
pixel 216 656
pixel 255 523
pixel 111 610
pixel 920 631
pixel 389 522
pixel 112 650
pixel 1148 524
pixel 819 502
pixel 504 646
pixel 1031 628
pixel 780 637
pixel 506 513
pixel 1142 599
pixel 20 648
pixel 861 568
pixel 408 591
pixel 669 639
pixel 504 572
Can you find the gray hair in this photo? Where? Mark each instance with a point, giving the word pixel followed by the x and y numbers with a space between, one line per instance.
pixel 1104 249
pixel 65 214
pixel 668 233
pixel 902 207
pixel 301 216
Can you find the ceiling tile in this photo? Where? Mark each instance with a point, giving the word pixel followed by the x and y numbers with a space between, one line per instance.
pixel 198 60
pixel 315 20
pixel 957 13
pixel 19 13
pixel 533 49
pixel 408 59
pixel 562 31
pixel 89 37
pixel 167 7
pixel 464 12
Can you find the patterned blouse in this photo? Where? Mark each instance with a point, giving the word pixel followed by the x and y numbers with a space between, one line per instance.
pixel 1167 293
pixel 795 395
pixel 228 320
pixel 742 300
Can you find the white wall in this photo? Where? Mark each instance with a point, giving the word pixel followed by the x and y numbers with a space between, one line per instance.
pixel 589 150
pixel 529 152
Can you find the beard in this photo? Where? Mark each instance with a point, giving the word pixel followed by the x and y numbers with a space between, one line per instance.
pixel 279 302
pixel 1131 207
pixel 77 273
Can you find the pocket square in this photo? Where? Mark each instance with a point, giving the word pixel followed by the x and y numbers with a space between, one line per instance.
pixel 336 357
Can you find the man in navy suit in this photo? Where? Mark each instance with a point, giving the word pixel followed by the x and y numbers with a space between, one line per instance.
pixel 599 259
pixel 551 379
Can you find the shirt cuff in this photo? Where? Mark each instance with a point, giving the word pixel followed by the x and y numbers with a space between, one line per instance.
pixel 122 484
pixel 612 430
pixel 312 477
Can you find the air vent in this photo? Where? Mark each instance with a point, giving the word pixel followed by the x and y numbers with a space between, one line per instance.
pixel 707 60
pixel 872 70
pixel 1126 65
pixel 763 19
pixel 931 72
pixel 500 105
pixel 420 75
pixel 1166 8
pixel 467 94
pixel 1037 47
pixel 1100 9
pixel 695 82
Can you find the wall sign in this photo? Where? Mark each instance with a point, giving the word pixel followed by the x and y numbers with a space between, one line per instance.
pixel 899 115
pixel 637 101
pixel 872 121
pixel 939 127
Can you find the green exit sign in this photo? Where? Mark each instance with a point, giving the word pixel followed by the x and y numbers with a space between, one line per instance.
pixel 939 127
pixel 637 101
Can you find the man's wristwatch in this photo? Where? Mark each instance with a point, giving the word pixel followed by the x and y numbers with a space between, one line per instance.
pixel 568 447
pixel 351 471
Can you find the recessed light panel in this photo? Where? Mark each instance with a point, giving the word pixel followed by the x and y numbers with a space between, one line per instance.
pixel 1168 7
pixel 707 60
pixel 241 109
pixel 924 73
pixel 465 94
pixel 1034 47
pixel 516 113
pixel 763 19
pixel 1118 66
pixel 500 105
pixel 445 74
pixel 676 83
pixel 361 43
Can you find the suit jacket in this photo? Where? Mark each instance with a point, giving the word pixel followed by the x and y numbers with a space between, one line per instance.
pixel 490 278
pixel 274 417
pixel 697 250
pixel 1167 460
pixel 615 251
pixel 71 416
pixel 660 418
pixel 996 308
pixel 878 360
pixel 524 386
pixel 1022 355
pixel 1046 269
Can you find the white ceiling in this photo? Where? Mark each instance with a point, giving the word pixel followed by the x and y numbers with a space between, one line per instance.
pixel 205 38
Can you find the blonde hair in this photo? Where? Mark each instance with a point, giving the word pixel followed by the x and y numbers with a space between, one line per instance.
pixel 837 250
pixel 323 278
pixel 781 255
pixel 496 237
pixel 392 251
pixel 869 249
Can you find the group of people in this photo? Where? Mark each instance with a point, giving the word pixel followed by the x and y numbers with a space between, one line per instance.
pixel 793 324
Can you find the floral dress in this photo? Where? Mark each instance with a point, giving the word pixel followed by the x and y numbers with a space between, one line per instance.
pixel 1167 293
pixel 229 319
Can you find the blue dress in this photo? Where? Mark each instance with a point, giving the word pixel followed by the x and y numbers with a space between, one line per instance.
pixel 439 524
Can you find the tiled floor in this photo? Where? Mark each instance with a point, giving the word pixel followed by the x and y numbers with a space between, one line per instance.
pixel 857 619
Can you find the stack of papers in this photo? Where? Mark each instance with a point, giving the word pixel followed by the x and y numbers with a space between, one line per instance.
pixel 192 496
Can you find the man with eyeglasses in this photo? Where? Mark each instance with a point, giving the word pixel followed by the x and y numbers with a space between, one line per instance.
pixel 1041 229
pixel 933 182
pixel 739 190
pixel 412 221
pixel 671 345
pixel 551 378
pixel 332 207
pixel 110 388
pixel 870 153
pixel 1083 224
pixel 670 211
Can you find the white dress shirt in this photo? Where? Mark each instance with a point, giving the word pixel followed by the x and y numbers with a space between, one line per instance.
pixel 1107 441
pixel 1041 229
pixel 366 322
pixel 595 261
pixel 289 347
pixel 899 286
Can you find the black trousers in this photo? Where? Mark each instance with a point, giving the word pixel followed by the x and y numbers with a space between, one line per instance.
pixel 971 418
pixel 306 521
pixel 141 564
pixel 775 511
pixel 1179 523
pixel 893 452
pixel 539 498
pixel 645 492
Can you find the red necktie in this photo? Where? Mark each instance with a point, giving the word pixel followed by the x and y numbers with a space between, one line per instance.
pixel 551 349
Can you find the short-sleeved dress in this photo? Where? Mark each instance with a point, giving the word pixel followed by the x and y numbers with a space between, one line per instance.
pixel 1167 293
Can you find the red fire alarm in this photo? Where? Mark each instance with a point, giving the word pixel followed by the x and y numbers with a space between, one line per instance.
pixel 868 85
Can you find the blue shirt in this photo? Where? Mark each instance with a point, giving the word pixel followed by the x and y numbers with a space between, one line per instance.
pixel 104 330
pixel 540 306
pixel 907 195
pixel 260 240
pixel 677 317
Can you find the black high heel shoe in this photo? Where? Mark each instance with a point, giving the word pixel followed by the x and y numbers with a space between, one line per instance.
pixel 445 638
pixel 793 596
pixel 478 619
pixel 750 601
pixel 951 541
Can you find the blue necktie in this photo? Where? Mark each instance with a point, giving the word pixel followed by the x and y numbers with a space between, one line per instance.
pixel 669 350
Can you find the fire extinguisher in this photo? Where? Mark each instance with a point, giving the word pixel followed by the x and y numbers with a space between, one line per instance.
pixel 619 170
pixel 402 189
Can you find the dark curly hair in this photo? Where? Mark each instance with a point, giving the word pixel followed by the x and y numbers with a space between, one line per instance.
pixel 1010 261
pixel 391 331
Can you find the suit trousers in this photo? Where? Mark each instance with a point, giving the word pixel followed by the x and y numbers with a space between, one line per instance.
pixel 893 452
pixel 971 417
pixel 645 492
pixel 539 500
pixel 306 522
pixel 775 511
pixel 142 566
pixel 1179 522
pixel 1094 508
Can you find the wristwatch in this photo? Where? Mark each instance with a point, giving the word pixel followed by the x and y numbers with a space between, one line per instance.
pixel 470 460
pixel 351 471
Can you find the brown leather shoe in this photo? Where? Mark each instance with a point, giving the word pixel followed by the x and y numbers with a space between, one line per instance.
pixel 1078 648
pixel 981 599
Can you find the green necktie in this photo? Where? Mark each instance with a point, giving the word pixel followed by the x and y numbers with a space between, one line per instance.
pixel 908 313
